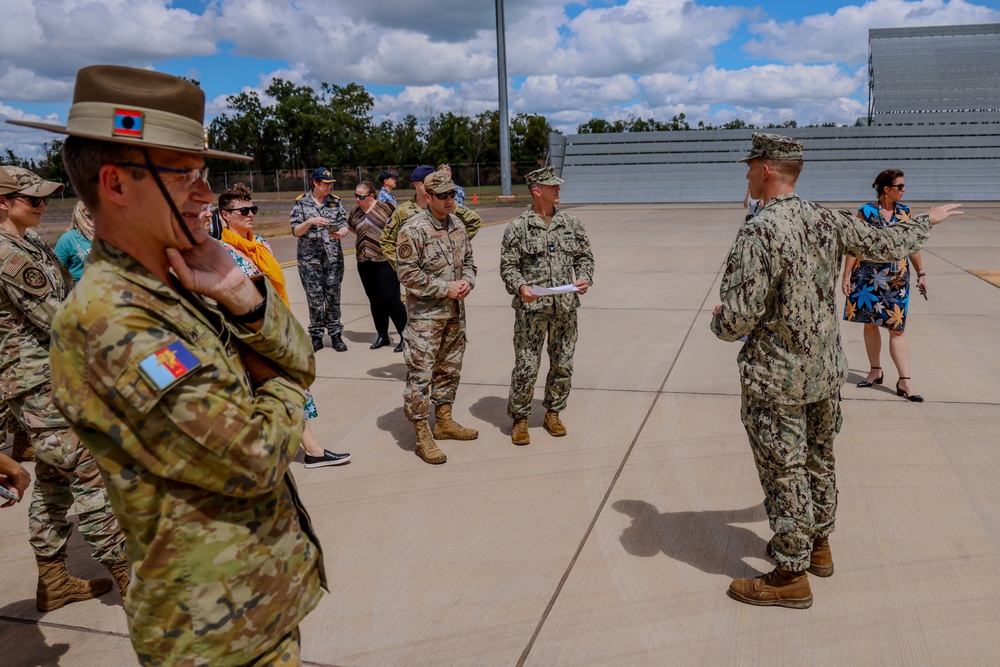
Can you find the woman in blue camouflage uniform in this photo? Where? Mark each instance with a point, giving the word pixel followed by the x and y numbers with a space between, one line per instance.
pixel 878 293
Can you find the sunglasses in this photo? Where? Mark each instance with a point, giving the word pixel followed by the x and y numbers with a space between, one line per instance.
pixel 244 210
pixel 362 197
pixel 34 201
pixel 445 195
pixel 901 186
pixel 190 176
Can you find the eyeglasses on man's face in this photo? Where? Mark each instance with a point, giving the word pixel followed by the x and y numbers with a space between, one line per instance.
pixel 445 195
pixel 34 201
pixel 243 210
pixel 189 176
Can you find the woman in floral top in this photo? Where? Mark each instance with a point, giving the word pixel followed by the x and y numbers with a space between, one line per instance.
pixel 253 255
pixel 878 293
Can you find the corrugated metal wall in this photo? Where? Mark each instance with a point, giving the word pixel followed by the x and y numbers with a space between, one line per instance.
pixel 941 162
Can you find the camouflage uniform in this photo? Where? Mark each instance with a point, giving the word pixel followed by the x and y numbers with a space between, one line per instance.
pixel 432 253
pixel 548 255
pixel 779 290
pixel 321 262
pixel 224 555
pixel 469 219
pixel 32 283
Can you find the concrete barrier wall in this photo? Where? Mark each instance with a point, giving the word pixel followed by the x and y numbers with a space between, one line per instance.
pixel 941 162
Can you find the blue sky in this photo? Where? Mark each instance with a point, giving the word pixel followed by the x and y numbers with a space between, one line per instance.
pixel 570 61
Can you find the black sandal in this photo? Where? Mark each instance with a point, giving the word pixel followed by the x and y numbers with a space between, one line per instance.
pixel 916 398
pixel 881 377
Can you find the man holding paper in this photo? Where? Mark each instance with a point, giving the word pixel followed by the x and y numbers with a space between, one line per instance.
pixel 546 262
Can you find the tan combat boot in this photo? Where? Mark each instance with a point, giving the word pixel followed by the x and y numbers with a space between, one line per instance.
pixel 120 572
pixel 22 449
pixel 57 588
pixel 519 434
pixel 446 428
pixel 779 588
pixel 820 560
pixel 427 449
pixel 553 425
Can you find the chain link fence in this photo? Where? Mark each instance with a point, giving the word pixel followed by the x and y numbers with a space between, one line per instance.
pixel 471 175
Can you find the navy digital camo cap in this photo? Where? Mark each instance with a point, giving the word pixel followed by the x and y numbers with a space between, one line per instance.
pixel 323 174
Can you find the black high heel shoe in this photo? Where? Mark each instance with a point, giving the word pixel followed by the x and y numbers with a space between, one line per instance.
pixel 878 380
pixel 916 398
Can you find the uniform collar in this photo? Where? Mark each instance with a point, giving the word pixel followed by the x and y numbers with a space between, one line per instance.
pixel 130 269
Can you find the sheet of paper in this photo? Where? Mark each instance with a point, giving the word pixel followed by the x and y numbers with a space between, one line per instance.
pixel 545 291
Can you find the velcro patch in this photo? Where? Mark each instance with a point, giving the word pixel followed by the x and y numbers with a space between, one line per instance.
pixel 34 278
pixel 405 251
pixel 14 265
pixel 165 367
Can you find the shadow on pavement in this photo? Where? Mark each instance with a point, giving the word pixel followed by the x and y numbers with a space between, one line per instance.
pixel 399 427
pixel 23 642
pixel 493 410
pixel 705 540
pixel 395 371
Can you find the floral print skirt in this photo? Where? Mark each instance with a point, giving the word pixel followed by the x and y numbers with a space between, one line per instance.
pixel 880 294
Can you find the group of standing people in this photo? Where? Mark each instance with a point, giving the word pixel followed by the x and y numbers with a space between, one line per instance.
pixel 182 373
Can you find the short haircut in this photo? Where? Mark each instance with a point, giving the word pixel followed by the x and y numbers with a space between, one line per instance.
pixel 235 193
pixel 367 186
pixel 790 169
pixel 885 179
pixel 84 158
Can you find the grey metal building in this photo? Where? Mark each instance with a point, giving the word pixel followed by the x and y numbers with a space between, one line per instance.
pixel 935 111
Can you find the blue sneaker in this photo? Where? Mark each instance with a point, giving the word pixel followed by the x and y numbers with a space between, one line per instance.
pixel 328 459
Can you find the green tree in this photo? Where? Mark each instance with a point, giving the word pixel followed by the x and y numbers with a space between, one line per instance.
pixel 249 128
pixel 529 137
pixel 448 139
pixel 348 122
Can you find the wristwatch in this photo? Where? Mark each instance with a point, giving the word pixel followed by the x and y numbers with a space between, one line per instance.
pixel 252 315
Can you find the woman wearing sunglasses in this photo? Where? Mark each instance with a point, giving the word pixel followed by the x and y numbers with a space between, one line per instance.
pixel 878 293
pixel 379 280
pixel 253 255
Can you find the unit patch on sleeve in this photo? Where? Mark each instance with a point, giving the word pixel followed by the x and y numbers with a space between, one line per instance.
pixel 165 367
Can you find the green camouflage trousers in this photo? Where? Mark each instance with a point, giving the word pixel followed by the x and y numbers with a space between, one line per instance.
pixel 286 653
pixel 530 332
pixel 793 449
pixel 433 355
pixel 65 475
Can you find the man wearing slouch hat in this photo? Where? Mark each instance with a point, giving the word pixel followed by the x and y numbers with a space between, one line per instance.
pixel 185 379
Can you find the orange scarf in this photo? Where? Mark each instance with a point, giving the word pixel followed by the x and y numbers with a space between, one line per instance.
pixel 262 257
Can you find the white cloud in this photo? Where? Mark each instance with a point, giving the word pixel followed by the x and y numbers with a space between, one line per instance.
pixel 843 35
pixel 760 85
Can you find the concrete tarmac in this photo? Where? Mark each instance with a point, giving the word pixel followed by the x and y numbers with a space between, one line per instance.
pixel 615 544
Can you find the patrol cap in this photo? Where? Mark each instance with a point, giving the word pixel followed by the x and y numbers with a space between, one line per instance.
pixel 17 180
pixel 386 174
pixel 543 176
pixel 421 172
pixel 323 174
pixel 126 105
pixel 438 182
pixel 774 147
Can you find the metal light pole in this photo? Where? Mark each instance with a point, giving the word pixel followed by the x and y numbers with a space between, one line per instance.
pixel 505 193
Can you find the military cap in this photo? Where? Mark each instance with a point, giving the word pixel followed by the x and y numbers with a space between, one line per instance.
pixel 421 172
pixel 126 105
pixel 323 175
pixel 17 180
pixel 774 147
pixel 386 174
pixel 438 182
pixel 543 176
